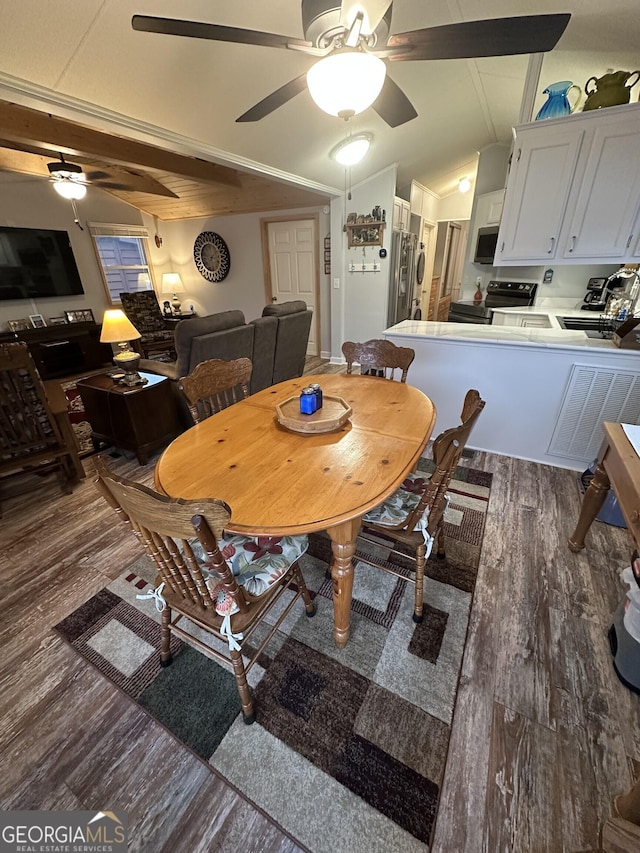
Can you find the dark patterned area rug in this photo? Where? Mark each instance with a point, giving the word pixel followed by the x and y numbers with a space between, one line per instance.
pixel 349 746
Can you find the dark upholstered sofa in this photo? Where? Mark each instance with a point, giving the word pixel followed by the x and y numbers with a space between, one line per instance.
pixel 276 343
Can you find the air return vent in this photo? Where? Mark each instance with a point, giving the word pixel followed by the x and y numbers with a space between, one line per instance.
pixel 593 395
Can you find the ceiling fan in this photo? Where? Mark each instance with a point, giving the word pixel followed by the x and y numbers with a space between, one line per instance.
pixel 359 31
pixel 85 171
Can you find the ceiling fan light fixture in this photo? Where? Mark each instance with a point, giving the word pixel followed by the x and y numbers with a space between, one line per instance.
pixel 346 83
pixel 70 188
pixel 68 179
pixel 464 185
pixel 352 150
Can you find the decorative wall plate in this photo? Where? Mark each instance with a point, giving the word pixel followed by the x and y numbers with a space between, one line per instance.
pixel 211 255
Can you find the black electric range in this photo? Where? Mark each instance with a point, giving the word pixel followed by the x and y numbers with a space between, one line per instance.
pixel 500 294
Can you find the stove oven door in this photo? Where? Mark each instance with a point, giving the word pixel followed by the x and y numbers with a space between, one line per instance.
pixel 465 314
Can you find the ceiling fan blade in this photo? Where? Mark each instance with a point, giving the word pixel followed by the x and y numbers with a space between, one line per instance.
pixel 470 39
pixel 373 12
pixel 214 32
pixel 392 104
pixel 129 180
pixel 275 99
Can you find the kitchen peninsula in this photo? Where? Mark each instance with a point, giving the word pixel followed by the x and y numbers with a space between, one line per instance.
pixel 548 390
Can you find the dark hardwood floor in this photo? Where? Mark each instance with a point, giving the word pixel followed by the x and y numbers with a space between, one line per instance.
pixel 544 735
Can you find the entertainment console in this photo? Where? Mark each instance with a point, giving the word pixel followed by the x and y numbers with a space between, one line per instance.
pixel 60 351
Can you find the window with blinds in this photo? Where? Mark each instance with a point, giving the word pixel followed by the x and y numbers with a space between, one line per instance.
pixel 122 253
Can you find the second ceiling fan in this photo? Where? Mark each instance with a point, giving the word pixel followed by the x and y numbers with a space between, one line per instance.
pixel 358 34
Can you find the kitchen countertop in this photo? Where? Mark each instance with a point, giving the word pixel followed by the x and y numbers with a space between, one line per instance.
pixel 551 312
pixel 554 337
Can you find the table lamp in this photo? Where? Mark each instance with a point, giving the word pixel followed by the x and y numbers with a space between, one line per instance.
pixel 172 283
pixel 118 329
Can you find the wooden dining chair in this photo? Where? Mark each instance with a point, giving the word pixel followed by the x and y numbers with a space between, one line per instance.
pixel 216 384
pixel 223 583
pixel 378 358
pixel 33 438
pixel 414 515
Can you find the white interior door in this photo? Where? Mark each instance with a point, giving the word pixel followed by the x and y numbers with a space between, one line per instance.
pixel 293 265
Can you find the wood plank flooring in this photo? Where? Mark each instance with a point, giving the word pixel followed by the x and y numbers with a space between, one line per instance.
pixel 544 735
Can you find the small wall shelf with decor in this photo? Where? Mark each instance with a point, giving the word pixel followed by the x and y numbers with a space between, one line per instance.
pixel 365 234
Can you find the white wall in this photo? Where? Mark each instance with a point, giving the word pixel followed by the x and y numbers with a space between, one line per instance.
pixel 31 202
pixel 359 303
pixel 455 206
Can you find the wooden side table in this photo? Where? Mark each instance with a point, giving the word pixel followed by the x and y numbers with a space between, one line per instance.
pixel 141 419
pixel 177 317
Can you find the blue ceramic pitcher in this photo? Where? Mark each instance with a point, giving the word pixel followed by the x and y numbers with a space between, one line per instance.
pixel 557 104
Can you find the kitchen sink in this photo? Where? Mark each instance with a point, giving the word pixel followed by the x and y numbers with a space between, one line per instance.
pixel 595 327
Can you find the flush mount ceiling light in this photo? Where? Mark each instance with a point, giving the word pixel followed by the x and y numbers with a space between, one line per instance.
pixel 346 83
pixel 464 185
pixel 68 179
pixel 351 150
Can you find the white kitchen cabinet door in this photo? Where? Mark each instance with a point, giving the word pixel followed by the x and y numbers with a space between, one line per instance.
pixel 401 214
pixel 416 199
pixel 602 224
pixel 542 173
pixel 489 208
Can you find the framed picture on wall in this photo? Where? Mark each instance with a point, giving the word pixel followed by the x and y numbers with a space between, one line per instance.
pixel 327 242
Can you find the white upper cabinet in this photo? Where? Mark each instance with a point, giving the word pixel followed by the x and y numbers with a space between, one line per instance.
pixel 488 211
pixel 417 195
pixel 542 172
pixel 573 192
pixel 602 224
pixel 401 214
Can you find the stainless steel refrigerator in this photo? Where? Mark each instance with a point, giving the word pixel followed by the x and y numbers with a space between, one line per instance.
pixel 402 277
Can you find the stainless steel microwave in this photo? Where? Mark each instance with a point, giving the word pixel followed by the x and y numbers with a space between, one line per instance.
pixel 486 245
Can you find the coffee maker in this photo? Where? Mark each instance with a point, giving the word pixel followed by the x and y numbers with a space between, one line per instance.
pixel 598 292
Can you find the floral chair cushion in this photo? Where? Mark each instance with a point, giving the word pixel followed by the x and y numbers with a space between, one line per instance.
pixel 396 507
pixel 256 562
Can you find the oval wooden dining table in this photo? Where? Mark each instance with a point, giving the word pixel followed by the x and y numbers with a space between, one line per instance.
pixel 282 483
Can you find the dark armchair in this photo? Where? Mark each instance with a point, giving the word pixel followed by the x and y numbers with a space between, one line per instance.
pixel 144 312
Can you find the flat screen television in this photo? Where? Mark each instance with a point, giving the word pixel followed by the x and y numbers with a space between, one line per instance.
pixel 36 263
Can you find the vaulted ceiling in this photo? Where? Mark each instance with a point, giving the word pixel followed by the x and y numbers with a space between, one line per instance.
pixel 180 97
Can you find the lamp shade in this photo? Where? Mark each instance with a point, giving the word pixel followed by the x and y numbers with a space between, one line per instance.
pixel 172 283
pixel 346 83
pixel 116 327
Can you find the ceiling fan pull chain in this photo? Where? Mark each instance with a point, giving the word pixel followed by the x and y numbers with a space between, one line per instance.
pixel 75 214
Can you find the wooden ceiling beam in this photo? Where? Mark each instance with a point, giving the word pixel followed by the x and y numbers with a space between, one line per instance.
pixel 23 125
